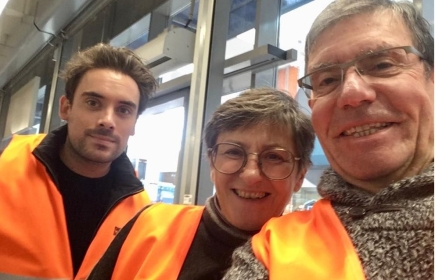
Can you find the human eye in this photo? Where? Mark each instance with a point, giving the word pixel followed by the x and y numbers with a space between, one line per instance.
pixel 379 65
pixel 125 111
pixel 324 81
pixel 92 103
pixel 274 156
pixel 233 153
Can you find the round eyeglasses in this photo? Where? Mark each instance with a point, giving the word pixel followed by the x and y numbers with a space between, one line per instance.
pixel 371 67
pixel 274 163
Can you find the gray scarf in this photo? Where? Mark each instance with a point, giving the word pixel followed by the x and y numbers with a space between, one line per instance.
pixel 391 230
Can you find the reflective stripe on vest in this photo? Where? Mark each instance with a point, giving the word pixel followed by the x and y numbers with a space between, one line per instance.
pixel 33 232
pixel 158 243
pixel 308 245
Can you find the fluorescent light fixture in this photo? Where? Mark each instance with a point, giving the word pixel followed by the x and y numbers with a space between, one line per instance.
pixel 2 5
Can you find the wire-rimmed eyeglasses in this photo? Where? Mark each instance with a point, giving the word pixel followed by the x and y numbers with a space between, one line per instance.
pixel 274 163
pixel 378 64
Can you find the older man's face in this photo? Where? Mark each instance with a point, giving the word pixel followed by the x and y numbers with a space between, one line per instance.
pixel 374 132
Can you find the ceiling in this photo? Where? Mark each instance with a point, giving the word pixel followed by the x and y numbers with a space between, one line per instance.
pixel 20 39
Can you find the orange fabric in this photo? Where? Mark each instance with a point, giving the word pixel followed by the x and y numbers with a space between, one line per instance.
pixel 308 245
pixel 158 243
pixel 33 233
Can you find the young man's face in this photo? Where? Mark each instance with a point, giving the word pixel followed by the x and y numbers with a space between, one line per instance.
pixel 102 115
pixel 395 113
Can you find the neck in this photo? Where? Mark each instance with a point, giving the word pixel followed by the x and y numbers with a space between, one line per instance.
pixel 82 166
pixel 224 228
pixel 378 184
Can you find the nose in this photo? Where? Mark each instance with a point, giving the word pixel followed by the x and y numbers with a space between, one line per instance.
pixel 107 119
pixel 354 90
pixel 251 173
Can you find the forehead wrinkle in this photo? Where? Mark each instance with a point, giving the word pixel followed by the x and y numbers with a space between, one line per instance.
pixel 363 52
pixel 285 141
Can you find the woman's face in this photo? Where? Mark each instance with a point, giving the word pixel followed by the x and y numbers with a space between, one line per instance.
pixel 248 198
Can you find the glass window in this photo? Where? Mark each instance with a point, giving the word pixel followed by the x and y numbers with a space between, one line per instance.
pixel 155 147
pixel 241 29
pixel 134 36
pixel 39 108
pixel 26 109
pixel 295 21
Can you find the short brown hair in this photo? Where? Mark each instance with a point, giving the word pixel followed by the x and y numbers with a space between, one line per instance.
pixel 104 56
pixel 267 106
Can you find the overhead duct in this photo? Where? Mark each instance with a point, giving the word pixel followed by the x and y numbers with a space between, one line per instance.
pixel 259 59
pixel 170 50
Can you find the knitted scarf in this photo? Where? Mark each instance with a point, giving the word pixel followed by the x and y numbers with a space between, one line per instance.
pixel 392 230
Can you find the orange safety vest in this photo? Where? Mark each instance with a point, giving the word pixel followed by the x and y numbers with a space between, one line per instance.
pixel 158 243
pixel 308 245
pixel 33 232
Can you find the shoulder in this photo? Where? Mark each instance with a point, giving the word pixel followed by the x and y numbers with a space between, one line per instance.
pixel 173 207
pixel 295 223
pixel 19 140
pixel 288 219
pixel 18 144
pixel 162 220
pixel 160 214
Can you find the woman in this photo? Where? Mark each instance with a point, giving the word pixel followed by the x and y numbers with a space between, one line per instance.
pixel 259 146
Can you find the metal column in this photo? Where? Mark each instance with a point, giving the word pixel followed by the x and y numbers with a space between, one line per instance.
pixel 267 32
pixel 205 96
pixel 51 99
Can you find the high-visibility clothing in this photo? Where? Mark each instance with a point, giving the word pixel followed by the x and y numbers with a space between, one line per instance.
pixel 33 232
pixel 158 243
pixel 308 245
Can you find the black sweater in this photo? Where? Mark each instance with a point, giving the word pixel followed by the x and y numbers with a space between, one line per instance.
pixel 209 255
pixel 87 201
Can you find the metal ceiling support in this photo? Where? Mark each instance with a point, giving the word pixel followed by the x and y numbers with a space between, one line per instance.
pixel 258 59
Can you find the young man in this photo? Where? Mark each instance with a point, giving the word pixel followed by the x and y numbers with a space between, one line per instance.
pixel 371 83
pixel 259 146
pixel 64 196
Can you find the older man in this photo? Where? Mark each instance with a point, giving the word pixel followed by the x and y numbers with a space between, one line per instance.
pixel 371 87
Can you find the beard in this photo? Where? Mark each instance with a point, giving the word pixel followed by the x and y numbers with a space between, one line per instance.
pixel 94 153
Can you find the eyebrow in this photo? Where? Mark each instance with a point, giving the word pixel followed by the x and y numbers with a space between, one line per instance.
pixel 362 52
pixel 265 147
pixel 99 96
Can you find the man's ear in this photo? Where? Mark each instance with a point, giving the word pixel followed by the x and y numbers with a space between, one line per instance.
pixel 64 108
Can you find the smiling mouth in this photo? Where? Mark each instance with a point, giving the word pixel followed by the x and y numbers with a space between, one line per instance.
pixel 365 130
pixel 250 195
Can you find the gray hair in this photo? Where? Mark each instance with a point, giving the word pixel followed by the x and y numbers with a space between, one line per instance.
pixel 341 9
pixel 266 106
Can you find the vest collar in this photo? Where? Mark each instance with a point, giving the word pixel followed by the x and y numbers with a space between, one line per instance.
pixel 47 152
